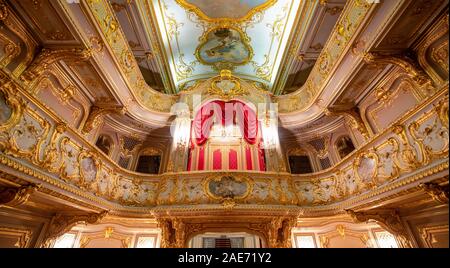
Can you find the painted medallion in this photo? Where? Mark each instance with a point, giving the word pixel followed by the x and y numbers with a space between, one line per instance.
pixel 224 45
pixel 228 187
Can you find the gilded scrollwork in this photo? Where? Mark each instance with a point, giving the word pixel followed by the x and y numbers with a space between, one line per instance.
pixel 3 11
pixel 62 223
pixel 437 192
pixel 431 135
pixel 97 112
pixel 11 107
pixel 15 196
pixel 47 57
pixel 416 140
pixel 226 86
pixel 53 156
pixel 26 138
pixel 405 63
pixel 10 48
pixel 388 219
pixel 406 157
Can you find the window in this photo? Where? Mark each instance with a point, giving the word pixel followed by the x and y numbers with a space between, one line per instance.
pixel 145 242
pixel 300 164
pixel 149 164
pixel 385 240
pixel 104 143
pixel 65 241
pixel 344 146
pixel 305 241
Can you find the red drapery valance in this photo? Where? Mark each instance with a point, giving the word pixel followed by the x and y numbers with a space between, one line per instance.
pixel 226 113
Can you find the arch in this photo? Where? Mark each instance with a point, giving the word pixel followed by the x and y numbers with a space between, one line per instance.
pixel 105 144
pixel 344 146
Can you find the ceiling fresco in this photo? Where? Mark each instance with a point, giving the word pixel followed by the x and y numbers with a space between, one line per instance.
pixel 199 38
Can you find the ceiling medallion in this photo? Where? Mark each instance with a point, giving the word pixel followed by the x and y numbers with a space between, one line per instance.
pixel 226 86
pixel 224 47
pixel 225 10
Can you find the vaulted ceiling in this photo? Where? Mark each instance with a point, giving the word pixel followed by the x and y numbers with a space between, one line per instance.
pixel 274 43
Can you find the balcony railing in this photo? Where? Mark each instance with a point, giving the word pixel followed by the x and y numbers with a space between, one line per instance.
pixel 38 147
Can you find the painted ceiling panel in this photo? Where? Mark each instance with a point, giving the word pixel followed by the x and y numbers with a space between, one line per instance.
pixel 201 37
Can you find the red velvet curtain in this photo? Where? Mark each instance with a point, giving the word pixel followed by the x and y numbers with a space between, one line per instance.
pixel 225 113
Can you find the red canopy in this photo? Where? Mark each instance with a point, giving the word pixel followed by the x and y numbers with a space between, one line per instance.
pixel 227 113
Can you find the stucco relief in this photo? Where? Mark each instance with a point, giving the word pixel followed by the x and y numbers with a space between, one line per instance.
pixel 88 169
pixel 366 168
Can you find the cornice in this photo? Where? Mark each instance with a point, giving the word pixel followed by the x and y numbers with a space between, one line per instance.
pixel 332 81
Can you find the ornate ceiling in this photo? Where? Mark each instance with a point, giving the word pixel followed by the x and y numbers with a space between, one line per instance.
pixel 320 64
pixel 199 38
pixel 177 43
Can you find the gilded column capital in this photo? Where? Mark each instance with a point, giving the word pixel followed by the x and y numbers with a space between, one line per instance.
pixel 3 10
pixel 438 192
pixel 15 196
pixel 278 232
pixel 47 57
pixel 62 223
pixel 96 112
pixel 174 232
pixel 388 219
pixel 354 117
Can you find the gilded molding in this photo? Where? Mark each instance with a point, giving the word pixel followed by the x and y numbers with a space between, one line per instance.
pixel 3 11
pixel 116 42
pixel 23 235
pixel 405 63
pixel 48 57
pixel 16 196
pixel 176 231
pixel 438 192
pixel 96 112
pixel 61 224
pixel 8 90
pixel 388 219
